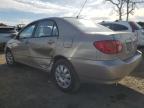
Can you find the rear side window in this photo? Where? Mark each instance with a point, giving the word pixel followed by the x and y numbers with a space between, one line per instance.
pixel 118 27
pixel 46 28
pixel 7 30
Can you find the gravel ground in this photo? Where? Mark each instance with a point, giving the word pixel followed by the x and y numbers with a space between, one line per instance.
pixel 24 87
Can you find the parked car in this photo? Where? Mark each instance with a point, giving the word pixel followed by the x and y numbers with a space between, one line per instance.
pixel 74 51
pixel 6 33
pixel 19 27
pixel 129 26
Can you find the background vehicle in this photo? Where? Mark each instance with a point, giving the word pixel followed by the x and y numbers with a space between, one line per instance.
pixel 128 26
pixel 6 33
pixel 19 27
pixel 74 50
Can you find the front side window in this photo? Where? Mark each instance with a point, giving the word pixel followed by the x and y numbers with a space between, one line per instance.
pixel 46 29
pixel 27 32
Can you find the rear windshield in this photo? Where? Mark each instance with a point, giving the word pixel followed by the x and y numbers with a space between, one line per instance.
pixel 7 30
pixel 88 25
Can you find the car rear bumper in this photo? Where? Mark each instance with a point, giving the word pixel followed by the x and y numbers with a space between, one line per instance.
pixel 105 71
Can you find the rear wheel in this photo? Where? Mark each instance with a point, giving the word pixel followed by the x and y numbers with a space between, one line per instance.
pixel 9 58
pixel 65 76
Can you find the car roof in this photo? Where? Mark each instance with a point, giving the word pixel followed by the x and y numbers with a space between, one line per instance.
pixel 56 18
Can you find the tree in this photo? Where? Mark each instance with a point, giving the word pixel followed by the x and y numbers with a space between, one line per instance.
pixel 119 5
pixel 130 7
pixel 125 7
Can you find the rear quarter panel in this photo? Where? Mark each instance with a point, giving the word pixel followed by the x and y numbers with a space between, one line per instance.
pixel 75 44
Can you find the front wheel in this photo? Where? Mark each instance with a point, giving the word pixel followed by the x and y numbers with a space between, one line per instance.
pixel 9 58
pixel 65 76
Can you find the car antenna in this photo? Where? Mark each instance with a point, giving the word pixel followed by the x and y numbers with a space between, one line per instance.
pixel 81 9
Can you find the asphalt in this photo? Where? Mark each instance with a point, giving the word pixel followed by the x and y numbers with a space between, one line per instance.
pixel 25 87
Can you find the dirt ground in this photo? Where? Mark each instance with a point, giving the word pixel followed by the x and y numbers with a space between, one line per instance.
pixel 25 87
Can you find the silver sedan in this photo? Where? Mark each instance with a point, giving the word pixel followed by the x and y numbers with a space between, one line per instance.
pixel 74 50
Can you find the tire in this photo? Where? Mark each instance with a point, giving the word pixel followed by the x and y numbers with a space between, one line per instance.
pixel 9 58
pixel 65 76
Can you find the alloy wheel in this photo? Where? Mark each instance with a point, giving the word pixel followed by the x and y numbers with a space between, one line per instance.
pixel 63 76
pixel 9 58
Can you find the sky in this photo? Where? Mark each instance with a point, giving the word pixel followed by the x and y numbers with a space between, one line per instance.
pixel 13 12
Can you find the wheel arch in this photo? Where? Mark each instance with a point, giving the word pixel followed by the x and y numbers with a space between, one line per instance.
pixel 58 57
pixel 74 74
pixel 55 59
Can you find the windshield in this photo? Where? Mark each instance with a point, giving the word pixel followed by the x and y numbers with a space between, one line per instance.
pixel 7 30
pixel 88 25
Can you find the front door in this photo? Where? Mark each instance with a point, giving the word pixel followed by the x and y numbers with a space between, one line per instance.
pixel 43 45
pixel 21 49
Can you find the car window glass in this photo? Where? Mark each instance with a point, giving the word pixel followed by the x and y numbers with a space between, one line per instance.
pixel 118 27
pixel 27 32
pixel 107 25
pixel 46 29
pixel 55 31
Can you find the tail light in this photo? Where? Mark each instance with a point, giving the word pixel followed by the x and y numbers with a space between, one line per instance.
pixel 108 46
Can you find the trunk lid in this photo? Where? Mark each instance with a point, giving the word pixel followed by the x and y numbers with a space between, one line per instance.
pixel 129 43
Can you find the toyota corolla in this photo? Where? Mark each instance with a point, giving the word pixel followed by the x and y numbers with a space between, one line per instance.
pixel 74 50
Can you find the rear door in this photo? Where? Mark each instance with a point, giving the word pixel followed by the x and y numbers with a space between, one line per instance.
pixel 42 46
